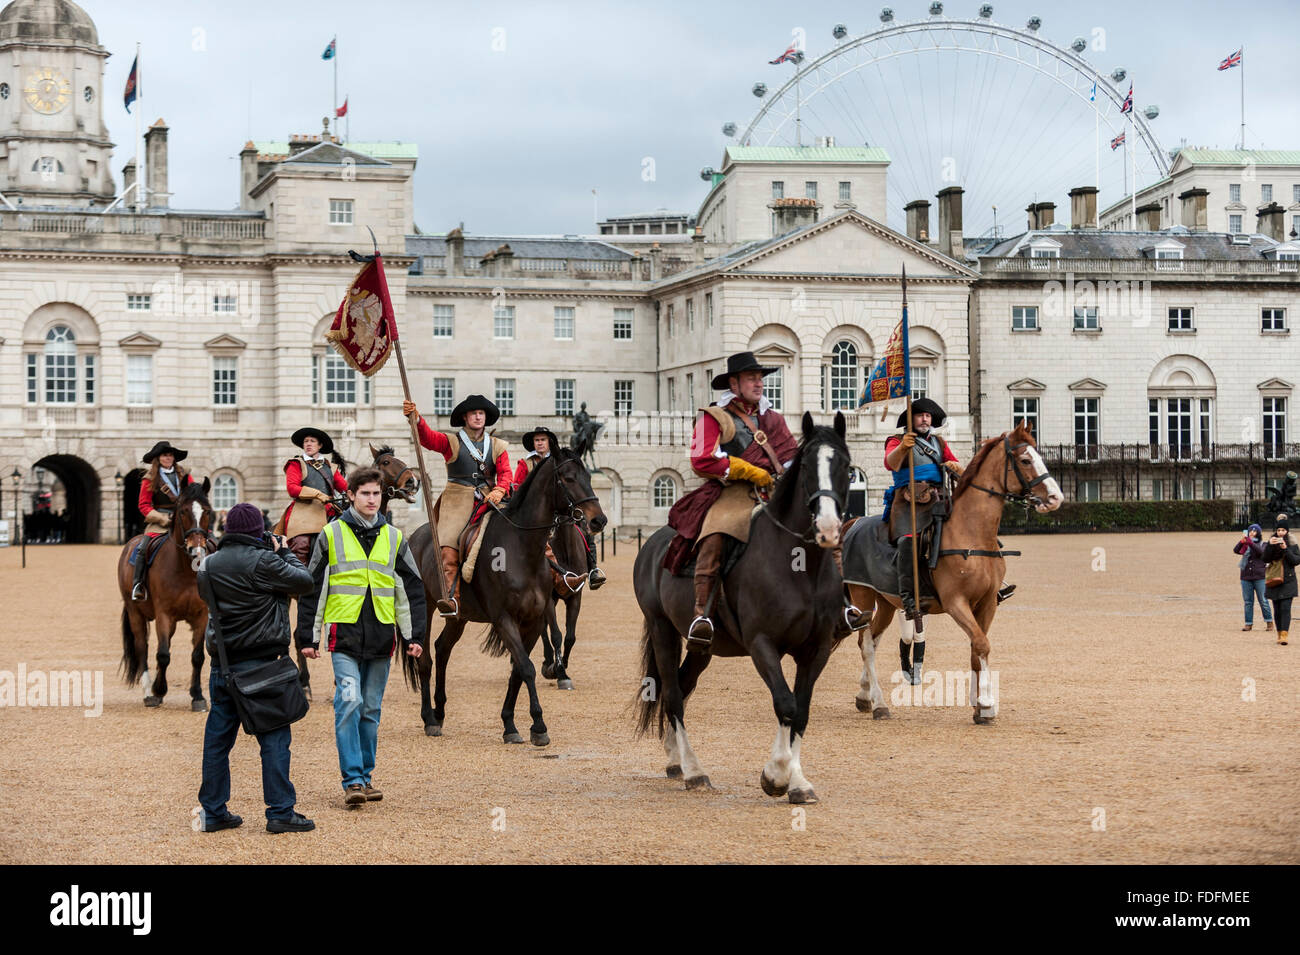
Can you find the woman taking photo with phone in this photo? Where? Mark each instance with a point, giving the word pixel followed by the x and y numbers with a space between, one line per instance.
pixel 1251 549
pixel 1282 556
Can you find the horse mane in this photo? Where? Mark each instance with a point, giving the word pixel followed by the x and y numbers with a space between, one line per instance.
pixel 516 500
pixel 340 462
pixel 787 484
pixel 968 474
pixel 193 492
pixel 385 449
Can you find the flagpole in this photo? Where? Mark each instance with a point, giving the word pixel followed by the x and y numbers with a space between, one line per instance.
pixel 1133 204
pixel 335 111
pixel 139 167
pixel 1096 127
pixel 1243 96
pixel 911 464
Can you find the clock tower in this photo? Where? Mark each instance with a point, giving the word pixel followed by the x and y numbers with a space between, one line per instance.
pixel 54 147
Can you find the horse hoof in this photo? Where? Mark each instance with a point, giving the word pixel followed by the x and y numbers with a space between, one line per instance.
pixel 199 706
pixel 548 671
pixel 539 739
pixel 699 782
pixel 511 738
pixel 564 685
pixel 881 713
pixel 152 700
pixel 802 797
pixel 771 788
pixel 433 729
pixel 982 720
pixel 864 706
pixel 674 772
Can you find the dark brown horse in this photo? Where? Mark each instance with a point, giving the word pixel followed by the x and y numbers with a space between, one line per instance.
pixel 510 589
pixel 173 596
pixel 1006 468
pixel 781 598
pixel 569 547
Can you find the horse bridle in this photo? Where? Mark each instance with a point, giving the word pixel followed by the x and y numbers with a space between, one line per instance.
pixel 574 507
pixel 840 508
pixel 180 538
pixel 1010 465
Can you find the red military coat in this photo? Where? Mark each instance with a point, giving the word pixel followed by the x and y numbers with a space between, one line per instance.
pixel 165 500
pixel 293 484
pixel 437 441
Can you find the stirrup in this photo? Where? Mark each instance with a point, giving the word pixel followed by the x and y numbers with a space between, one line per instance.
pixel 698 642
pixel 139 592
pixel 596 577
pixel 1005 592
pixel 855 619
pixel 448 607
pixel 574 581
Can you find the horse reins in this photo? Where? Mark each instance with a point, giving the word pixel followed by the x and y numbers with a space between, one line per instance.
pixel 1010 464
pixel 574 516
pixel 809 534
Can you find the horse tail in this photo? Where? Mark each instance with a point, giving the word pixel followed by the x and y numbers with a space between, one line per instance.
pixel 410 673
pixel 649 698
pixel 494 645
pixel 132 666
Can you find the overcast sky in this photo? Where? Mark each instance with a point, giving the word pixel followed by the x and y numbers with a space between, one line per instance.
pixel 521 109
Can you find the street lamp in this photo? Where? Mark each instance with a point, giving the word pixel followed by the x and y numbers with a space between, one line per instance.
pixel 121 517
pixel 16 477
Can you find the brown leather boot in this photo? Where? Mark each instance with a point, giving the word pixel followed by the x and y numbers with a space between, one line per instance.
pixel 450 606
pixel 1281 637
pixel 708 561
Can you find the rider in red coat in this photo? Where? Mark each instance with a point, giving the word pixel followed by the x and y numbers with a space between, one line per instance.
pixel 310 481
pixel 159 492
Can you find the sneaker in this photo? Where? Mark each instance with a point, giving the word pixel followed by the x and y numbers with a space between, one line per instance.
pixel 296 822
pixel 597 578
pixel 373 794
pixel 228 821
pixel 356 794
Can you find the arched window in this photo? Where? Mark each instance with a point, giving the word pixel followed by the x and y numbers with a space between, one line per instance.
pixel 225 492
pixel 60 366
pixel 664 491
pixel 844 376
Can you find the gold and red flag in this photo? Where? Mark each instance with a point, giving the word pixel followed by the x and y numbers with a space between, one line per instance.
pixel 365 327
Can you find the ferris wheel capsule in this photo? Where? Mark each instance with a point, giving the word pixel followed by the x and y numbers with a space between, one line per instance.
pixel 706 173
pixel 1151 112
pixel 936 9
pixel 1079 44
pixel 840 31
pixel 1033 24
pixel 887 15
pixel 729 129
pixel 986 11
pixel 1118 74
pixel 759 90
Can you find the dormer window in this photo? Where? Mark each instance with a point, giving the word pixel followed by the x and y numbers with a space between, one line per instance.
pixel 1043 247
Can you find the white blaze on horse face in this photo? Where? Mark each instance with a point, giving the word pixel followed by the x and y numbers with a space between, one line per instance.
pixel 827 521
pixel 1053 490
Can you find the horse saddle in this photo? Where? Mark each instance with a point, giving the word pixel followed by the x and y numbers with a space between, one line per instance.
pixel 869 558
pixel 150 547
pixel 732 551
pixel 471 540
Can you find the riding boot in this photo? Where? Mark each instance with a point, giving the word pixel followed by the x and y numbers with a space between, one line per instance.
pixel 138 590
pixel 595 576
pixel 906 582
pixel 918 659
pixel 449 606
pixel 708 561
pixel 1005 592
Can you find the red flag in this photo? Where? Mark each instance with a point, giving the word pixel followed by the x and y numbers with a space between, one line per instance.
pixel 365 327
pixel 342 110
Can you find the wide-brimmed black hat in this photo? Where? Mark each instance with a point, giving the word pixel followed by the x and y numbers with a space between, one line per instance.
pixel 326 444
pixel 741 361
pixel 528 437
pixel 164 447
pixel 474 403
pixel 937 414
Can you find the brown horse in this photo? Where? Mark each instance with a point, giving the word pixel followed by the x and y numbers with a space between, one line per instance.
pixel 971 568
pixel 173 597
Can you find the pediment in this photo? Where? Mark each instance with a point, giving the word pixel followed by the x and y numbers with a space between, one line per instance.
pixel 1026 384
pixel 774 352
pixel 923 353
pixel 1087 384
pixel 225 342
pixel 1275 384
pixel 139 340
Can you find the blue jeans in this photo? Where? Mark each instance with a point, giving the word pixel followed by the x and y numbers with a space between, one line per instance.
pixel 358 695
pixel 1250 589
pixel 219 737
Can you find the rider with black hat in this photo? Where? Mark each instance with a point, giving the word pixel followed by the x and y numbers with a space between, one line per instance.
pixel 159 492
pixel 540 442
pixel 478 469
pixel 312 485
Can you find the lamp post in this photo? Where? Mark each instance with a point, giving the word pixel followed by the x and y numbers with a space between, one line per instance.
pixel 121 516
pixel 16 477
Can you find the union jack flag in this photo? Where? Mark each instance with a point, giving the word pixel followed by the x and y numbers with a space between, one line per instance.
pixel 1127 107
pixel 1232 60
pixel 1117 142
pixel 792 55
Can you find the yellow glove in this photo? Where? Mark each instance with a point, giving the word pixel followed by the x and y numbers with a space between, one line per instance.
pixel 744 471
pixel 495 496
pixel 954 467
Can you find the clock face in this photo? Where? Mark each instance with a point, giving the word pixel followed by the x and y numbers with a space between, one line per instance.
pixel 47 90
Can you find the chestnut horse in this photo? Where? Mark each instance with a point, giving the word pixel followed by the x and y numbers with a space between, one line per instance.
pixel 173 596
pixel 970 568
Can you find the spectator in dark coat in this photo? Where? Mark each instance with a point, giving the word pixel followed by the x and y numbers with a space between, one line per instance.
pixel 1251 547
pixel 1281 547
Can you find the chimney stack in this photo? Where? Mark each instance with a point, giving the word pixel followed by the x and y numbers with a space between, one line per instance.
pixel 247 174
pixel 918 220
pixel 128 180
pixel 505 260
pixel 298 144
pixel 155 163
pixel 655 256
pixel 455 263
pixel 1148 217
pixel 1083 207
pixel 1041 215
pixel 1194 213
pixel 793 213
pixel 950 230
pixel 1271 222
pixel 697 245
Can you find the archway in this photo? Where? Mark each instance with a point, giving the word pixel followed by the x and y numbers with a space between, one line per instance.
pixel 132 519
pixel 80 505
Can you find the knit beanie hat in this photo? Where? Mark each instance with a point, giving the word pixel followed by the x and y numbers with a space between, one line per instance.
pixel 1282 521
pixel 244 519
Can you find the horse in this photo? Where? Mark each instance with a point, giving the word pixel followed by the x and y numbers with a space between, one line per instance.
pixel 397 480
pixel 780 598
pixel 569 547
pixel 510 589
pixel 970 567
pixel 173 596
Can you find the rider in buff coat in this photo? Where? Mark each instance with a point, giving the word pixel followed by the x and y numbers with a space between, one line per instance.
pixel 312 485
pixel 478 469
pixel 159 492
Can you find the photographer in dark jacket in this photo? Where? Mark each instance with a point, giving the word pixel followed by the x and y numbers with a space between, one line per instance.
pixel 251 581
pixel 1282 547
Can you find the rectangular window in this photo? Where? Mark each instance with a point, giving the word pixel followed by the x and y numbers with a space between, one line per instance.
pixel 690 314
pixel 139 379
pixel 1026 410
pixel 225 304
pixel 505 395
pixel 1089 491
pixel 1274 427
pixel 340 212
pixel 1086 428
pixel 846 191
pixel 1179 420
pixel 1086 319
pixel 1234 224
pixel 810 190
pixel 563 324
pixel 671 320
pixel 708 309
pixel 444 321
pixel 690 391
pixel 139 303
pixel 1157 489
pixel 920 381
pixel 1180 320
pixel 503 321
pixel 31 378
pixel 61 377
pixel 315 380
pixel 340 381
pixel 564 396
pixel 774 388
pixel 1153 426
pixel 1234 192
pixel 1203 422
pixel 623 324
pixel 90 379
pixel 623 397
pixel 778 190
pixel 365 390
pixel 225 381
pixel 1295 193
pixel 1169 260
pixel 1273 319
pixel 1024 318
pixel 672 394
pixel 444 396
pixel 1265 192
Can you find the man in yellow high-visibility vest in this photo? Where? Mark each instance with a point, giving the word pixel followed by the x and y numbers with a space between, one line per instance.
pixel 367 591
